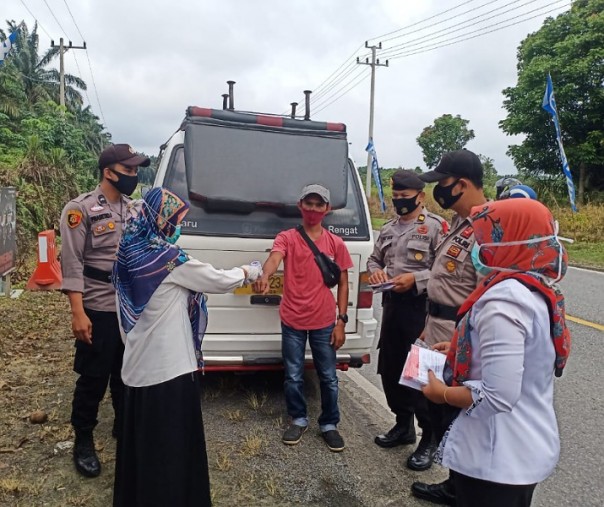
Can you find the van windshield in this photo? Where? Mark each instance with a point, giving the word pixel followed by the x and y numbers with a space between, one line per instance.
pixel 219 155
pixel 348 222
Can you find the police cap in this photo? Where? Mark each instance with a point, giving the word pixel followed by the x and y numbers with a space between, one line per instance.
pixel 405 178
pixel 461 163
pixel 124 154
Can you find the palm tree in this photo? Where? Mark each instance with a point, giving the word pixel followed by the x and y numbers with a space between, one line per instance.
pixel 38 82
pixel 95 136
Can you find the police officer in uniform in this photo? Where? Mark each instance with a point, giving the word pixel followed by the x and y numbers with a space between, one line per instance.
pixel 403 254
pixel 453 277
pixel 91 225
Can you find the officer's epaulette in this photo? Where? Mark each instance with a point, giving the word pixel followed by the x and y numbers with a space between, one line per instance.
pixel 438 218
pixel 443 223
pixel 81 197
pixel 390 222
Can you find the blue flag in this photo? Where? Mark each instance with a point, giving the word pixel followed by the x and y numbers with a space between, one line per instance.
pixel 549 104
pixel 7 45
pixel 375 170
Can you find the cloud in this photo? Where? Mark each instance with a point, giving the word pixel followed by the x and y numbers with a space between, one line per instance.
pixel 152 59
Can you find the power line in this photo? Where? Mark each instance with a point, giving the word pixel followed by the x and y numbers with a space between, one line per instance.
pixel 327 98
pixel 96 90
pixel 449 42
pixel 460 26
pixel 96 93
pixel 362 78
pixel 58 22
pixel 329 82
pixel 318 96
pixel 80 73
pixel 325 81
pixel 73 19
pixel 438 14
pixel 427 48
pixel 36 20
pixel 332 76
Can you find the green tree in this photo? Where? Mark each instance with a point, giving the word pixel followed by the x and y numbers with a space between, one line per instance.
pixel 448 133
pixel 48 152
pixel 490 176
pixel 571 48
pixel 39 83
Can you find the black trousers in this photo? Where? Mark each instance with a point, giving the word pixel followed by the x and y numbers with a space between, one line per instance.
pixel 472 492
pixel 441 417
pixel 161 458
pixel 98 364
pixel 403 319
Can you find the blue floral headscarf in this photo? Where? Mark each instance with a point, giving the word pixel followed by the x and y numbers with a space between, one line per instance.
pixel 145 258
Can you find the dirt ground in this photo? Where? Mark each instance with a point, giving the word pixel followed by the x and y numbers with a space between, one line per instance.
pixel 243 415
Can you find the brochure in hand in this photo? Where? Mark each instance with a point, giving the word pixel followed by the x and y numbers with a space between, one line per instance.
pixel 382 287
pixel 419 361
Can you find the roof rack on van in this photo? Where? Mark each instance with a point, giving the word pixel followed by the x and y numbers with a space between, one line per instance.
pixel 261 119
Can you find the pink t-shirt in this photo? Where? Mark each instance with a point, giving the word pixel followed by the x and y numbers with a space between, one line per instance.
pixel 307 302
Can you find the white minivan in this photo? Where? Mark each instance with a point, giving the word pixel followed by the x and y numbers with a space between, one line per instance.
pixel 242 173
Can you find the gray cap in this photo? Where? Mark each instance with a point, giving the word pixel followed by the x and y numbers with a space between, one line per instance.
pixel 320 190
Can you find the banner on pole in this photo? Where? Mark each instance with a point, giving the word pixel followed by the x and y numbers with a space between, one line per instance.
pixel 6 45
pixel 549 104
pixel 375 171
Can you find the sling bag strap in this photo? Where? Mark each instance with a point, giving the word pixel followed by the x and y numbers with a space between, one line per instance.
pixel 309 242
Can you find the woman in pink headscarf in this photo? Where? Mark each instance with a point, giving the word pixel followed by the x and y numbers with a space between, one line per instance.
pixel 511 339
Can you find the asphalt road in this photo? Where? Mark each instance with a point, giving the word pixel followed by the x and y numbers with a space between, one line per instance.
pixel 579 398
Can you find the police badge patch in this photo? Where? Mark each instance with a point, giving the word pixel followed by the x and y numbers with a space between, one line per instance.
pixel 74 218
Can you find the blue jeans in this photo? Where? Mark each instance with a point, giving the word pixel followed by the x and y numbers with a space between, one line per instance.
pixel 293 345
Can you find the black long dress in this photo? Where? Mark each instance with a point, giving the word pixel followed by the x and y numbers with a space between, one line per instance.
pixel 161 456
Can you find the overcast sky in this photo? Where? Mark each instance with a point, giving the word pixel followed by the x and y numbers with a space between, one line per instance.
pixel 151 59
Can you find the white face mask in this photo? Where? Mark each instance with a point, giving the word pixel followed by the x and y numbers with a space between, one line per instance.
pixel 484 269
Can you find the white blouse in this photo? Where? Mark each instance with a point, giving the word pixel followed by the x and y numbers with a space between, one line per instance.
pixel 160 345
pixel 510 434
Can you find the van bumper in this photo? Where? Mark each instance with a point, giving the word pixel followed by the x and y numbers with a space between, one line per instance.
pixel 263 352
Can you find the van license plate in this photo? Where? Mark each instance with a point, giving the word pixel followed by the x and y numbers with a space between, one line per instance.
pixel 275 287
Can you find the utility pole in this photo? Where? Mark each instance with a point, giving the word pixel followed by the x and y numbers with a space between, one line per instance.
pixel 62 50
pixel 374 63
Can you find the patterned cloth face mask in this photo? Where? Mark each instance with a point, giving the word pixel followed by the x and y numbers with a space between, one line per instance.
pixel 483 269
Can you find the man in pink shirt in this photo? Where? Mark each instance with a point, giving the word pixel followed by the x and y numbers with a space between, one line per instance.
pixel 309 311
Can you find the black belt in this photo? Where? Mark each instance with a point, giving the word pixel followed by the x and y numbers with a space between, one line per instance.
pixel 442 311
pixel 97 274
pixel 401 296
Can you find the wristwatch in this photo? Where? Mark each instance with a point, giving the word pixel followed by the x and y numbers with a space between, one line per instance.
pixel 343 317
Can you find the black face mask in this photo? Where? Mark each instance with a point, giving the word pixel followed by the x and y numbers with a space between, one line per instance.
pixel 405 205
pixel 125 184
pixel 444 197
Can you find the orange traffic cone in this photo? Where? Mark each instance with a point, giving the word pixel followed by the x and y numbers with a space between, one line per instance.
pixel 47 275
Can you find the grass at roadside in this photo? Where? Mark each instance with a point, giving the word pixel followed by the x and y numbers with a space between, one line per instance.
pixel 588 255
pixel 585 227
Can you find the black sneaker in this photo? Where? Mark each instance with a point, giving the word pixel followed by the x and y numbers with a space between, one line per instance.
pixel 334 440
pixel 293 434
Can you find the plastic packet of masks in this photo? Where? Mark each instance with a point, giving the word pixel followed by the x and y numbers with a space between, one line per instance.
pixel 421 344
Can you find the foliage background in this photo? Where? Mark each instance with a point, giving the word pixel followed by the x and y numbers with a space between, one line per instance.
pixel 48 152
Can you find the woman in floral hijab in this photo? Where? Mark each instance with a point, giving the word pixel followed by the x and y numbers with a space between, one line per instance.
pixel 161 456
pixel 510 342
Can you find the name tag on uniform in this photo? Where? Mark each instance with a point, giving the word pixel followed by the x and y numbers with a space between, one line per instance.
pixel 101 216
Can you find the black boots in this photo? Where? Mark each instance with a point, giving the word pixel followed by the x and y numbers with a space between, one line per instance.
pixel 421 459
pixel 84 456
pixel 442 493
pixel 398 435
